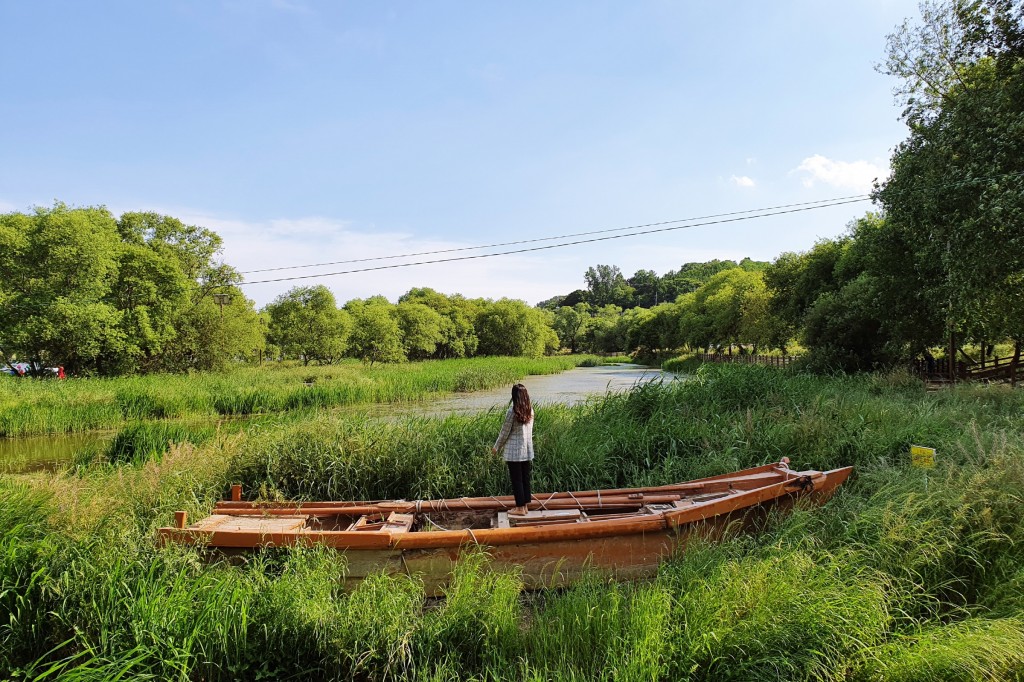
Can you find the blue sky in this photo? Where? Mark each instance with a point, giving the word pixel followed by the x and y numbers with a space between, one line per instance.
pixel 306 132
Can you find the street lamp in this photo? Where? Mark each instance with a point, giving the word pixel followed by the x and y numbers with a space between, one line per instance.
pixel 221 299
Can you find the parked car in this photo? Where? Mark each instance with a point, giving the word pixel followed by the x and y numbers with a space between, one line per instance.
pixel 26 369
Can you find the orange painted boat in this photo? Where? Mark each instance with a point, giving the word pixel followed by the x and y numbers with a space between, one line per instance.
pixel 622 533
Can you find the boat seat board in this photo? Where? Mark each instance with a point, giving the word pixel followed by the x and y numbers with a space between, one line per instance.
pixel 541 516
pixel 398 523
pixel 258 524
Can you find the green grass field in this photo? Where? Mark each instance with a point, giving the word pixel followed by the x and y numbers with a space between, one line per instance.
pixel 897 578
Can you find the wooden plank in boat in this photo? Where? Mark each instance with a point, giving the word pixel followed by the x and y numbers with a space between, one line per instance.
pixel 259 524
pixel 398 523
pixel 543 516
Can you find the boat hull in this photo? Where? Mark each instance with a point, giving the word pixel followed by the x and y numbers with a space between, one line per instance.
pixel 621 546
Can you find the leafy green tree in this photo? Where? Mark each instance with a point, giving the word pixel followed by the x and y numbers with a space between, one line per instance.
pixel 458 332
pixel 376 336
pixel 796 280
pixel 305 323
pixel 421 328
pixel 656 329
pixel 691 276
pixel 57 267
pixel 212 336
pixel 843 329
pixel 82 290
pixel 510 327
pixel 957 186
pixel 725 310
pixel 606 331
pixel 647 288
pixel 640 336
pixel 575 297
pixel 571 325
pixel 605 284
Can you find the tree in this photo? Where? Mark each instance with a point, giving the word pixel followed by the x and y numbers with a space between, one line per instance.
pixel 842 329
pixel 571 324
pixel 646 286
pixel 150 293
pixel 211 336
pixel 606 284
pixel 957 186
pixel 691 276
pixel 796 280
pixel 509 327
pixel 725 310
pixel 421 328
pixel 57 266
pixel 305 323
pixel 376 336
pixel 458 334
pixel 606 331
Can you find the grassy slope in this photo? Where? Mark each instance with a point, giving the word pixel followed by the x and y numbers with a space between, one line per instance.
pixel 895 579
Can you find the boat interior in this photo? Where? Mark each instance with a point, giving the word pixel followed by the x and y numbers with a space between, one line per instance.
pixel 548 509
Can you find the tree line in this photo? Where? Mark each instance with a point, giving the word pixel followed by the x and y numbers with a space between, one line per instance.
pixel 143 292
pixel 940 265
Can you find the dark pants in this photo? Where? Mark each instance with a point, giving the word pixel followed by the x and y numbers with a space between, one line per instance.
pixel 519 472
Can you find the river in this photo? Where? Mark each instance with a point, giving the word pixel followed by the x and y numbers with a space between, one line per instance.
pixel 568 388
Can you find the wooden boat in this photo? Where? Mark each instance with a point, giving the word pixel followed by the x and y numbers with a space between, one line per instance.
pixel 623 533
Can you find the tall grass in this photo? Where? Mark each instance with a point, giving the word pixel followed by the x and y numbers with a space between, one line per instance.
pixel 899 577
pixel 36 407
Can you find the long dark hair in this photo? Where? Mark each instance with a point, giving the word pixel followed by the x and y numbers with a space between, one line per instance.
pixel 521 404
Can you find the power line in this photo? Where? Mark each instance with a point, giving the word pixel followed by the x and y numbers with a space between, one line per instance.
pixel 857 197
pixel 556 246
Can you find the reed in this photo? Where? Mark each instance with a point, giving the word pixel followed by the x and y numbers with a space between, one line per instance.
pixel 897 578
pixel 35 407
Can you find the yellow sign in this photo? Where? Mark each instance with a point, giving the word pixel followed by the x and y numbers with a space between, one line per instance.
pixel 922 456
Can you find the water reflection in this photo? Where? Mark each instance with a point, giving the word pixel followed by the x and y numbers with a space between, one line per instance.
pixel 46 453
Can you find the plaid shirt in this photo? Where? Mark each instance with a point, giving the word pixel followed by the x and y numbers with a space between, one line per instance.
pixel 516 438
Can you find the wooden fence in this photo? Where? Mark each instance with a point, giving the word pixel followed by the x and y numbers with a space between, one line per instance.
pixel 991 370
pixel 747 359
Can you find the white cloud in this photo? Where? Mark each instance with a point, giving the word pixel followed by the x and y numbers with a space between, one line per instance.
pixel 856 175
pixel 742 181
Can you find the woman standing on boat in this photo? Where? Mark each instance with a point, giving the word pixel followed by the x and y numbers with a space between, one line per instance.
pixel 516 438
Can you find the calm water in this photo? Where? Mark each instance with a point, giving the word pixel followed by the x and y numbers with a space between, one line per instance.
pixel 568 388
pixel 36 453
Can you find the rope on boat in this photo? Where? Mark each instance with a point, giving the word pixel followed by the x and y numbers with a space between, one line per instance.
pixel 599 506
pixel 578 503
pixel 430 521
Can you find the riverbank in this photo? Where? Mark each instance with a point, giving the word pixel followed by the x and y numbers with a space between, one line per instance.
pixel 29 407
pixel 906 574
